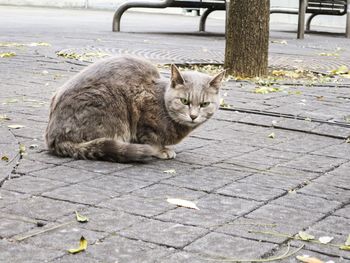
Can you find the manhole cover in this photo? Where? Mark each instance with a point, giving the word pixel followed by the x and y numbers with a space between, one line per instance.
pixel 204 56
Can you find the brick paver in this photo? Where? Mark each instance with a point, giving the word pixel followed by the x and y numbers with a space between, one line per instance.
pixel 245 183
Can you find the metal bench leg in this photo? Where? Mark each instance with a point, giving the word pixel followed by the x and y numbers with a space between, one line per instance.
pixel 301 19
pixel 309 21
pixel 125 6
pixel 204 19
pixel 347 34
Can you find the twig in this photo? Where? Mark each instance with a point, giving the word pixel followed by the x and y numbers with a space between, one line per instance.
pixel 294 238
pixel 44 231
pixel 283 256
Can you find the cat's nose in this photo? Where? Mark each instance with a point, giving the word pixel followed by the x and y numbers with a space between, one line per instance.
pixel 193 116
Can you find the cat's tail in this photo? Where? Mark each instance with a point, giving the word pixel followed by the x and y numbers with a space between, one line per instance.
pixel 104 149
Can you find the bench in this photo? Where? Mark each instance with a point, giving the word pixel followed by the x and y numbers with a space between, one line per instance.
pixel 315 8
pixel 210 6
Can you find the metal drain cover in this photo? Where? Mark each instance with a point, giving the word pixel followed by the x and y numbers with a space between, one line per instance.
pixel 312 62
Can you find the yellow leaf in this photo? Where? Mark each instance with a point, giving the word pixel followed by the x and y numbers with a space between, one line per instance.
pixel 7 54
pixel 307 259
pixel 266 90
pixel 15 126
pixel 171 171
pixel 183 203
pixel 22 149
pixel 223 104
pixel 305 236
pixel 82 246
pixel 81 218
pixel 5 158
pixel 341 70
pixel 43 44
pixel 329 54
pixel 347 248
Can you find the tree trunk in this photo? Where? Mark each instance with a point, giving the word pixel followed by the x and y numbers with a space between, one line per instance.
pixel 247 37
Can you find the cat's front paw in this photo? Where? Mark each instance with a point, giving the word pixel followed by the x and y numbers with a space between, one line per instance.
pixel 166 153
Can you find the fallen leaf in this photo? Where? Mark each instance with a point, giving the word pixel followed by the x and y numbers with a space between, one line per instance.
pixel 341 70
pixel 10 44
pixel 272 135
pixel 7 54
pixel 15 126
pixel 36 44
pixel 80 218
pixel 5 158
pixel 308 259
pixel 329 54
pixel 347 248
pixel 347 140
pixel 223 104
pixel 171 171
pixel 283 42
pixel 266 90
pixel 183 203
pixel 346 118
pixel 325 239
pixel 4 118
pixel 347 242
pixel 82 246
pixel 11 101
pixel 22 149
pixel 305 236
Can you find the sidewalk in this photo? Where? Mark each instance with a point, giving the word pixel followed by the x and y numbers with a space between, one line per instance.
pixel 261 171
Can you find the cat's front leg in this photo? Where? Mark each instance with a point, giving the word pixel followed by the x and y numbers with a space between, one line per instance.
pixel 148 136
pixel 165 153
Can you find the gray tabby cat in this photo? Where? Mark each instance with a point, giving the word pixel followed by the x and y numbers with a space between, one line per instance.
pixel 121 110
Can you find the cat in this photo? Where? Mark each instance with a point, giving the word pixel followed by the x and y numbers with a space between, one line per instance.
pixel 120 109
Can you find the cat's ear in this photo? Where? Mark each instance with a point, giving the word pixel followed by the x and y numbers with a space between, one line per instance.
pixel 176 77
pixel 217 80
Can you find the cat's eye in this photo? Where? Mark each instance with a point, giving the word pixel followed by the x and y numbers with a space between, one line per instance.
pixel 185 101
pixel 204 104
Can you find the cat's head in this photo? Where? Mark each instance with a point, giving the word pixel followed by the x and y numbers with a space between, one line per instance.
pixel 192 97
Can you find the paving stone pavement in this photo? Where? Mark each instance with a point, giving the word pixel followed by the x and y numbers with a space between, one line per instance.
pixel 254 192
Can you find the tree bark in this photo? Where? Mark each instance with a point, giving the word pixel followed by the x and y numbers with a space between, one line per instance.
pixel 247 37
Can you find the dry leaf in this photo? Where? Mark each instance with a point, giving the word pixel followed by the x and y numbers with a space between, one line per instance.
pixel 272 135
pixel 341 70
pixel 5 158
pixel 347 242
pixel 82 246
pixel 7 54
pixel 15 126
pixel 183 203
pixel 171 171
pixel 308 259
pixel 305 236
pixel 347 248
pixel 36 44
pixel 223 104
pixel 22 149
pixel 80 218
pixel 325 239
pixel 4 118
